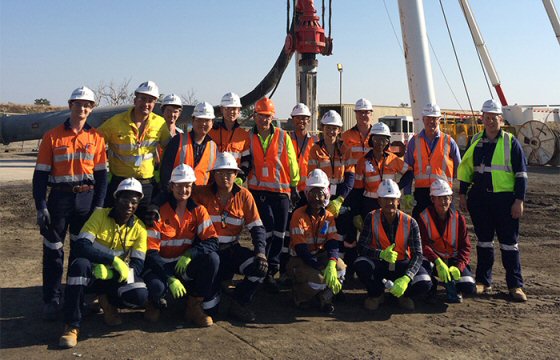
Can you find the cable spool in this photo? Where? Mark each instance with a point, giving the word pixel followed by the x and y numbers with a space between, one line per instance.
pixel 540 142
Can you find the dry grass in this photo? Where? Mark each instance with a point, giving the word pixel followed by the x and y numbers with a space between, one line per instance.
pixel 11 108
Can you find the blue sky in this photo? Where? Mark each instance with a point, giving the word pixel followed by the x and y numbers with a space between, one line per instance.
pixel 48 48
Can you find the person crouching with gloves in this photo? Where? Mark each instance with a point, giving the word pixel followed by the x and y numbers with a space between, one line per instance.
pixel 109 258
pixel 182 256
pixel 314 267
pixel 446 243
pixel 390 249
pixel 231 206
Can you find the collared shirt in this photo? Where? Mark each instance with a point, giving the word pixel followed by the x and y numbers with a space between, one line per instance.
pixel 454 151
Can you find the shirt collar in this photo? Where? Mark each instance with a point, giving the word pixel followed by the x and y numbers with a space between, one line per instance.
pixel 308 211
pixel 68 127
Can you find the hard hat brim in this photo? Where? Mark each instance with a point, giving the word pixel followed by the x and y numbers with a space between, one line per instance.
pixel 115 194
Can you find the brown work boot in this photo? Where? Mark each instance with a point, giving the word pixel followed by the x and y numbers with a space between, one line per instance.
pixel 110 312
pixel 406 303
pixel 482 289
pixel 69 338
pixel 195 314
pixel 518 295
pixel 372 303
pixel 151 313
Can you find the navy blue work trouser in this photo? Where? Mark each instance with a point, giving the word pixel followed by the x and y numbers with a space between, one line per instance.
pixel 237 259
pixel 285 254
pixel 198 280
pixel 491 214
pixel 81 281
pixel 465 284
pixel 68 211
pixel 273 209
pixel 372 272
pixel 423 200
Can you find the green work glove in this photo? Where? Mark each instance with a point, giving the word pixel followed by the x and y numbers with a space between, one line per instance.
pixel 400 286
pixel 239 181
pixel 455 272
pixel 102 272
pixel 389 255
pixel 335 205
pixel 184 261
pixel 358 222
pixel 407 202
pixel 442 271
pixel 121 267
pixel 176 287
pixel 331 277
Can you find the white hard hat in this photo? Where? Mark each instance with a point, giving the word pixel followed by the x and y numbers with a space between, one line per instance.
pixel 317 178
pixel 440 188
pixel 182 174
pixel 300 110
pixel 82 93
pixel 230 100
pixel 148 88
pixel 431 110
pixel 380 129
pixel 203 110
pixel 331 117
pixel 491 106
pixel 130 184
pixel 172 99
pixel 363 104
pixel 388 189
pixel 225 161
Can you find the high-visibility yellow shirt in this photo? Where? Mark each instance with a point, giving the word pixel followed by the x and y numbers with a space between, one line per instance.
pixel 131 153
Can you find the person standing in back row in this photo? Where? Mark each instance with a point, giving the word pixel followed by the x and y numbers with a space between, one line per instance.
pixel 432 155
pixel 73 162
pixel 494 168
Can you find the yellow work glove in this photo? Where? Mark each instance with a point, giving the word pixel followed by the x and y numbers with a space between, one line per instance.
pixel 358 222
pixel 389 255
pixel 331 277
pixel 442 270
pixel 184 261
pixel 455 272
pixel 121 267
pixel 400 286
pixel 238 181
pixel 176 287
pixel 335 205
pixel 407 203
pixel 102 272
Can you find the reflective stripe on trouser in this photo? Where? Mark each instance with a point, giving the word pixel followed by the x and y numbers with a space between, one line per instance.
pixel 149 191
pixel 199 279
pixel 81 280
pixel 285 254
pixel 465 284
pixel 372 272
pixel 237 259
pixel 491 215
pixel 68 211
pixel 273 209
pixel 307 281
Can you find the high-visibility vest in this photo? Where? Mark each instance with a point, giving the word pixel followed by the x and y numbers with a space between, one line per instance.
pixel 503 177
pixel 172 238
pixel 69 157
pixel 134 154
pixel 312 231
pixel 228 221
pixel 271 170
pixel 356 144
pixel 444 245
pixel 381 241
pixel 370 175
pixel 185 155
pixel 319 158
pixel 303 157
pixel 234 141
pixel 430 166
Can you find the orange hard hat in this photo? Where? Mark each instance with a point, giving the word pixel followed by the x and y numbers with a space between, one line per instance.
pixel 265 106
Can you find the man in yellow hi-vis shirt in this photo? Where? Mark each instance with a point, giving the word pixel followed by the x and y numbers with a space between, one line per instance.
pixel 132 138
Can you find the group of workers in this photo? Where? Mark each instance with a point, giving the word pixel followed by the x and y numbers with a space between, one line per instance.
pixel 155 212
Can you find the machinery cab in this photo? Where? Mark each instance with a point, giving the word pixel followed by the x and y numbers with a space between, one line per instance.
pixel 402 130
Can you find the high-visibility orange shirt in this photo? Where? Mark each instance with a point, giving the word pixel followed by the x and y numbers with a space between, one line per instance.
pixel 302 153
pixel 314 231
pixel 234 141
pixel 172 236
pixel 370 172
pixel 334 167
pixel 70 157
pixel 356 144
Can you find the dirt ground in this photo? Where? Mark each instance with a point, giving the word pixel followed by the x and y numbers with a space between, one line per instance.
pixel 483 327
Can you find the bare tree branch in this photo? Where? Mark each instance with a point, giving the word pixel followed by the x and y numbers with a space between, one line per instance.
pixel 112 94
pixel 190 98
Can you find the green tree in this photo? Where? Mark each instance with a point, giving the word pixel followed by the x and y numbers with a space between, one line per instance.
pixel 42 101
